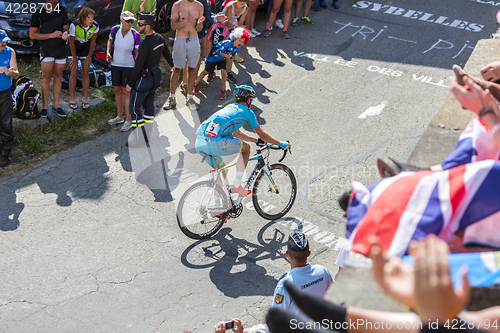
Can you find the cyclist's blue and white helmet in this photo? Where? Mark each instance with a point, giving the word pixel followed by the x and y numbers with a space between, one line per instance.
pixel 241 93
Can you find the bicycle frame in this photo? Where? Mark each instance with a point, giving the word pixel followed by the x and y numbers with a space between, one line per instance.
pixel 261 165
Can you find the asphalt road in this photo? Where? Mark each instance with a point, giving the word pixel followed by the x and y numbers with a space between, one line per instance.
pixel 89 239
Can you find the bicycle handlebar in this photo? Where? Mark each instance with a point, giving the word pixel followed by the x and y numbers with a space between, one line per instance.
pixel 265 145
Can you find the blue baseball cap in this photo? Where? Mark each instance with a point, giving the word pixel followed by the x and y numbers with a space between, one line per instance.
pixel 3 36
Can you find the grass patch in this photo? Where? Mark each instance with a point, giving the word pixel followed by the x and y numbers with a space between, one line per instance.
pixel 33 144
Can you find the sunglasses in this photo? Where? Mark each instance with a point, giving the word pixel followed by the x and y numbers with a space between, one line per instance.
pixel 141 24
pixel 129 21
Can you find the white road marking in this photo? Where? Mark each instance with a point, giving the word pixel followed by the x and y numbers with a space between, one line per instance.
pixel 374 110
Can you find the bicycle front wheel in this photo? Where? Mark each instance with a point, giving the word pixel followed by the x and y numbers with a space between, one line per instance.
pixel 274 193
pixel 201 211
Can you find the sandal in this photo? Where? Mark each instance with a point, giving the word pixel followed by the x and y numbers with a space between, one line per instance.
pixel 73 106
pixel 85 105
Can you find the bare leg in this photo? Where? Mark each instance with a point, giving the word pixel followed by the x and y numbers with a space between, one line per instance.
pixel 47 72
pixel 242 162
pixel 274 12
pixel 120 102
pixel 298 6
pixel 252 9
pixel 57 85
pixel 229 65
pixel 72 84
pixel 200 77
pixel 85 81
pixel 288 13
pixel 307 7
pixel 203 43
pixel 185 74
pixel 174 79
pixel 223 79
pixel 191 78
pixel 126 102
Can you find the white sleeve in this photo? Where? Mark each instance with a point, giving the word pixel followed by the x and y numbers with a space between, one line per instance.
pixel 72 30
pixel 281 299
pixel 342 257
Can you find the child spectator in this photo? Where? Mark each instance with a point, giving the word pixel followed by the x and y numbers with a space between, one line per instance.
pixel 82 36
pixel 226 49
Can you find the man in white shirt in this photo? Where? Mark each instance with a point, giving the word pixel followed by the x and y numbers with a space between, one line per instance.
pixel 314 279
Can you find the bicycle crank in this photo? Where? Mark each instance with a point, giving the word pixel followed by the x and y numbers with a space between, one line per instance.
pixel 236 211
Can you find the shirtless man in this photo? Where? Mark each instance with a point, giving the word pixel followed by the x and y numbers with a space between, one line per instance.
pixel 187 19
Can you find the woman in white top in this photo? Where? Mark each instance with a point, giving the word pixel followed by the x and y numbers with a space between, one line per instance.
pixel 123 45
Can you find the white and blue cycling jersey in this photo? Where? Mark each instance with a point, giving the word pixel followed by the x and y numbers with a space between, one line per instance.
pixel 226 46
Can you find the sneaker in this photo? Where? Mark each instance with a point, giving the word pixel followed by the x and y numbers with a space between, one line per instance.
pixel 240 190
pixel 116 121
pixel 170 103
pixel 306 20
pixel 252 35
pixel 196 89
pixel 267 33
pixel 184 89
pixel 316 6
pixel 190 102
pixel 323 4
pixel 255 32
pixel 278 24
pixel 231 78
pixel 210 77
pixel 126 126
pixel 222 94
pixel 203 84
pixel 60 112
pixel 285 34
pixel 335 4
pixel 43 113
pixel 294 22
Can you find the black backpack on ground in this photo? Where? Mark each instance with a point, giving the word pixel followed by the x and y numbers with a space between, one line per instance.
pixel 25 98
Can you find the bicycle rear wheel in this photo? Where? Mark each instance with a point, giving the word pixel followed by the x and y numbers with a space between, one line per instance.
pixel 273 195
pixel 199 216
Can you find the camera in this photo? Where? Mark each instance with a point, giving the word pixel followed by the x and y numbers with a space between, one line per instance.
pixel 229 324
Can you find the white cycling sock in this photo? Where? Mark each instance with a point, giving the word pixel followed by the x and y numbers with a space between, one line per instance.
pixel 237 181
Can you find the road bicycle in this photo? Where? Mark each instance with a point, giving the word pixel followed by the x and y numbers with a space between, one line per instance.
pixel 206 205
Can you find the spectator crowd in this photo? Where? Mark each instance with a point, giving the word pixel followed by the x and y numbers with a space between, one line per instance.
pixel 213 33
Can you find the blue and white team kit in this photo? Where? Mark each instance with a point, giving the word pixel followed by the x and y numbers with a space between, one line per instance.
pixel 214 134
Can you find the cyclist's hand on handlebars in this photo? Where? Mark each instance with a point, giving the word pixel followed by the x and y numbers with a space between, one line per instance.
pixel 260 142
pixel 284 145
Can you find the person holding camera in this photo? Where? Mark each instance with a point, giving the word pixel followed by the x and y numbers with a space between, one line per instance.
pixel 122 50
pixel 235 325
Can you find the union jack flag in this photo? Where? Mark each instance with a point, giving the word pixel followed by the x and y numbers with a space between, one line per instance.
pixel 412 205
pixel 474 144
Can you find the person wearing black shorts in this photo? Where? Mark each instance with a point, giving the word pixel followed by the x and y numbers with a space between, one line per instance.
pixel 51 27
pixel 122 49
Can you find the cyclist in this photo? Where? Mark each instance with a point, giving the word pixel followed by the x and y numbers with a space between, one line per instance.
pixel 220 135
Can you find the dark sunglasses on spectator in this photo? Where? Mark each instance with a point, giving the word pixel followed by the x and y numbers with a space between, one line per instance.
pixel 141 24
pixel 129 21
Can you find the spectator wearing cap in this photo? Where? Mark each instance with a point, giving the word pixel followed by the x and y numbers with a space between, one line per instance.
pixel 137 6
pixel 314 279
pixel 122 50
pixel 8 71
